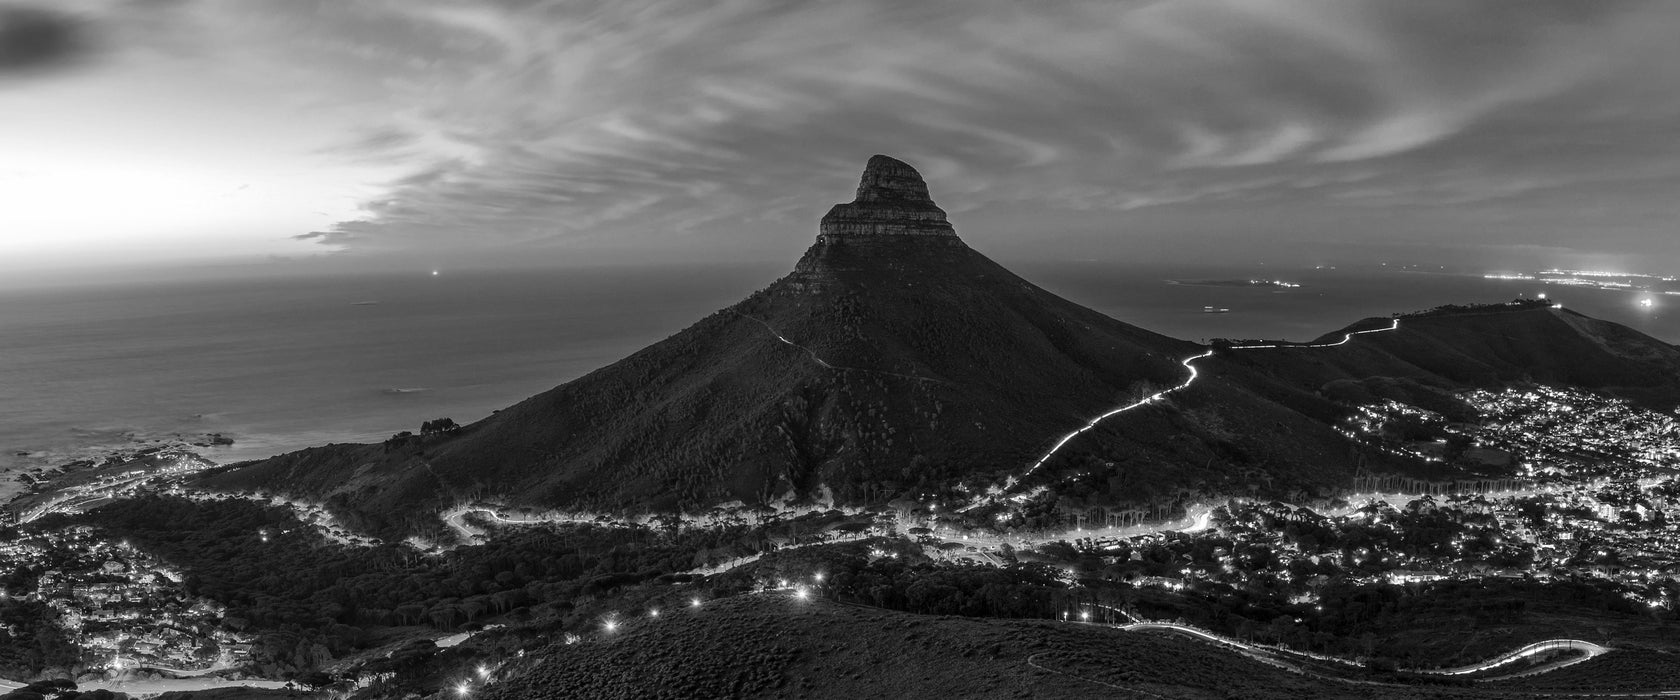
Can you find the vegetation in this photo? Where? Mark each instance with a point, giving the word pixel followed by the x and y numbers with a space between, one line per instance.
pixel 31 640
pixel 326 599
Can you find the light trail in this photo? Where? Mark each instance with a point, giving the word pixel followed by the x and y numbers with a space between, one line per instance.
pixel 1395 325
pixel 1270 654
pixel 1587 648
pixel 1189 364
pixel 1137 404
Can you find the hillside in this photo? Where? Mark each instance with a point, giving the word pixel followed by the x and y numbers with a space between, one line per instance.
pixel 1495 345
pixel 773 645
pixel 894 361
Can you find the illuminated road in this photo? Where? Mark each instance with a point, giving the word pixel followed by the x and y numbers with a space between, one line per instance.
pixel 1189 364
pixel 1281 657
pixel 1588 650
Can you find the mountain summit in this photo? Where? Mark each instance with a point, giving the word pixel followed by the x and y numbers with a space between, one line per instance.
pixel 892 200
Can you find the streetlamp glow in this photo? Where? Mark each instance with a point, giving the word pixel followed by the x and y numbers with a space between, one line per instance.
pixel 653 613
pixel 818 577
pixel 1085 616
pixel 802 593
pixel 462 689
pixel 695 603
pixel 483 672
pixel 611 625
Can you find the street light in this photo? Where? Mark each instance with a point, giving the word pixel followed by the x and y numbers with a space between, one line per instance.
pixel 611 625
pixel 1085 616
pixel 653 613
pixel 695 603
pixel 462 689
pixel 483 672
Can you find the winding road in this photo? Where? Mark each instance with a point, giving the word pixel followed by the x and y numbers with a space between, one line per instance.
pixel 1189 364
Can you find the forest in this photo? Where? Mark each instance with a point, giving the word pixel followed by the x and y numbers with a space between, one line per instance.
pixel 326 598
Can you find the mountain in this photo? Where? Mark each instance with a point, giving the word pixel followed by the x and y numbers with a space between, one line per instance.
pixel 893 356
pixel 895 360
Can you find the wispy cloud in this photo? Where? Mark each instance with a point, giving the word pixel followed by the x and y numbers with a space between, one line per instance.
pixel 642 120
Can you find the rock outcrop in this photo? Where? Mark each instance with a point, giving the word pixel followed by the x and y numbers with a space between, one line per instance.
pixel 892 200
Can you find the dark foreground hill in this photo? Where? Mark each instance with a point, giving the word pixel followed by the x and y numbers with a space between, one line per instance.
pixel 895 360
pixel 774 645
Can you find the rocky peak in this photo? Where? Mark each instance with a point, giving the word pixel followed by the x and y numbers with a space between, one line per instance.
pixel 892 200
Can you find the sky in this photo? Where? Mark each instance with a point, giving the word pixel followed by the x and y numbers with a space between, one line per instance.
pixel 167 134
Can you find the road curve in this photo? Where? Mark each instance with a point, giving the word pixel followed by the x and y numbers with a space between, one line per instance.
pixel 1589 650
pixel 1189 364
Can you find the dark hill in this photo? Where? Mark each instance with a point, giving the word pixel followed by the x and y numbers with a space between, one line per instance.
pixel 1518 342
pixel 771 645
pixel 895 360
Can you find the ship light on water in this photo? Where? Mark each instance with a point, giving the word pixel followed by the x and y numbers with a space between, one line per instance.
pixel 1647 302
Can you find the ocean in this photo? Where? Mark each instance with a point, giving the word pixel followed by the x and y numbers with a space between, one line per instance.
pixel 280 364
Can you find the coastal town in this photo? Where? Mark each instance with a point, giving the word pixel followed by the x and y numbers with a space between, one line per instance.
pixel 120 607
pixel 1595 494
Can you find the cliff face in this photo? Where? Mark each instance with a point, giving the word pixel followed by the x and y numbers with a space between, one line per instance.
pixel 892 200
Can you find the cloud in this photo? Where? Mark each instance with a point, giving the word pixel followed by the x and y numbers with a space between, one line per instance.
pixel 38 38
pixel 654 122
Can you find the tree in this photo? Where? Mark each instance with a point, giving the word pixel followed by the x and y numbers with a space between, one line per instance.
pixel 440 425
pixel 315 680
